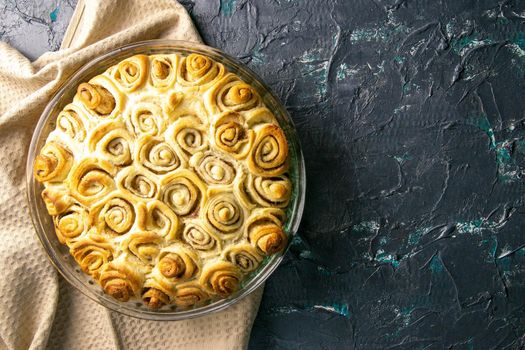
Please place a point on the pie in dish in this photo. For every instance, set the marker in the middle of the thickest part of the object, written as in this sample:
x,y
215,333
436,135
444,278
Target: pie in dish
x,y
167,178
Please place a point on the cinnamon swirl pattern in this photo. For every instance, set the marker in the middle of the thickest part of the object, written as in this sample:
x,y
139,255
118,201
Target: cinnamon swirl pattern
x,y
167,179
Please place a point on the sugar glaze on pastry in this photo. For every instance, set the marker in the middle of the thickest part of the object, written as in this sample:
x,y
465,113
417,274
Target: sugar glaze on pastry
x,y
167,178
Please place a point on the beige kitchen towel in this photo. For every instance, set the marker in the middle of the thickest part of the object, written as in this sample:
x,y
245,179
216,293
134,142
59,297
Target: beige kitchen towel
x,y
38,309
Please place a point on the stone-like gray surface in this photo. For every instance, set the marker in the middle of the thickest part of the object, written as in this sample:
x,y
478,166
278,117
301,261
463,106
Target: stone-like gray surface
x,y
411,117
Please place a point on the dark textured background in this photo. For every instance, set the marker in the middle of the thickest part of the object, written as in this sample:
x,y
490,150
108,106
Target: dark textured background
x,y
412,120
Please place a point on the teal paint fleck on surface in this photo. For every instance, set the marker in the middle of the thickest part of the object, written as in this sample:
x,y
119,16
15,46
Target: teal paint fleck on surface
x,y
258,57
491,244
386,258
341,309
385,33
403,158
460,45
315,68
415,237
343,71
519,39
336,308
54,15
475,226
306,254
297,240
436,265
228,7
365,227
399,59
507,169
408,86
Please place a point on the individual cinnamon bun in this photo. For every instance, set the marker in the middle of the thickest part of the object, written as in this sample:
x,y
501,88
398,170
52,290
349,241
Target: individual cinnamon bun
x,y
189,134
163,71
143,246
146,118
138,181
71,223
183,192
231,136
71,121
157,155
244,256
272,192
264,230
190,294
224,215
56,199
155,298
269,154
199,238
178,263
157,282
158,218
101,97
231,94
121,279
53,163
91,179
92,253
116,215
131,73
112,141
214,168
199,71
221,277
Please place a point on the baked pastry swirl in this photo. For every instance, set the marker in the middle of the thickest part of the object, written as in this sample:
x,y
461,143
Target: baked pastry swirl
x,y
167,178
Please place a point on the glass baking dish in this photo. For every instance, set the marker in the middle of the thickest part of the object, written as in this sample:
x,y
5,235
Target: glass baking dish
x,y
59,254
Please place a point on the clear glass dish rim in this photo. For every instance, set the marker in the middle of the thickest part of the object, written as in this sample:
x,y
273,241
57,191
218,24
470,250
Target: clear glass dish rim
x,y
32,196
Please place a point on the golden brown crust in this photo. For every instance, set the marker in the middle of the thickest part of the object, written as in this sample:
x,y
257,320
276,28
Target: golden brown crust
x,y
71,121
131,73
264,230
142,246
269,155
112,141
163,71
157,155
167,178
190,294
71,223
91,179
53,163
244,256
92,253
155,216
231,135
231,94
121,279
115,215
56,199
183,192
199,71
222,278
178,262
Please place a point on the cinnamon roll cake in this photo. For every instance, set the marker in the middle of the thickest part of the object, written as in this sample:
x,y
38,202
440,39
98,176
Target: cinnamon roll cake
x,y
167,179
